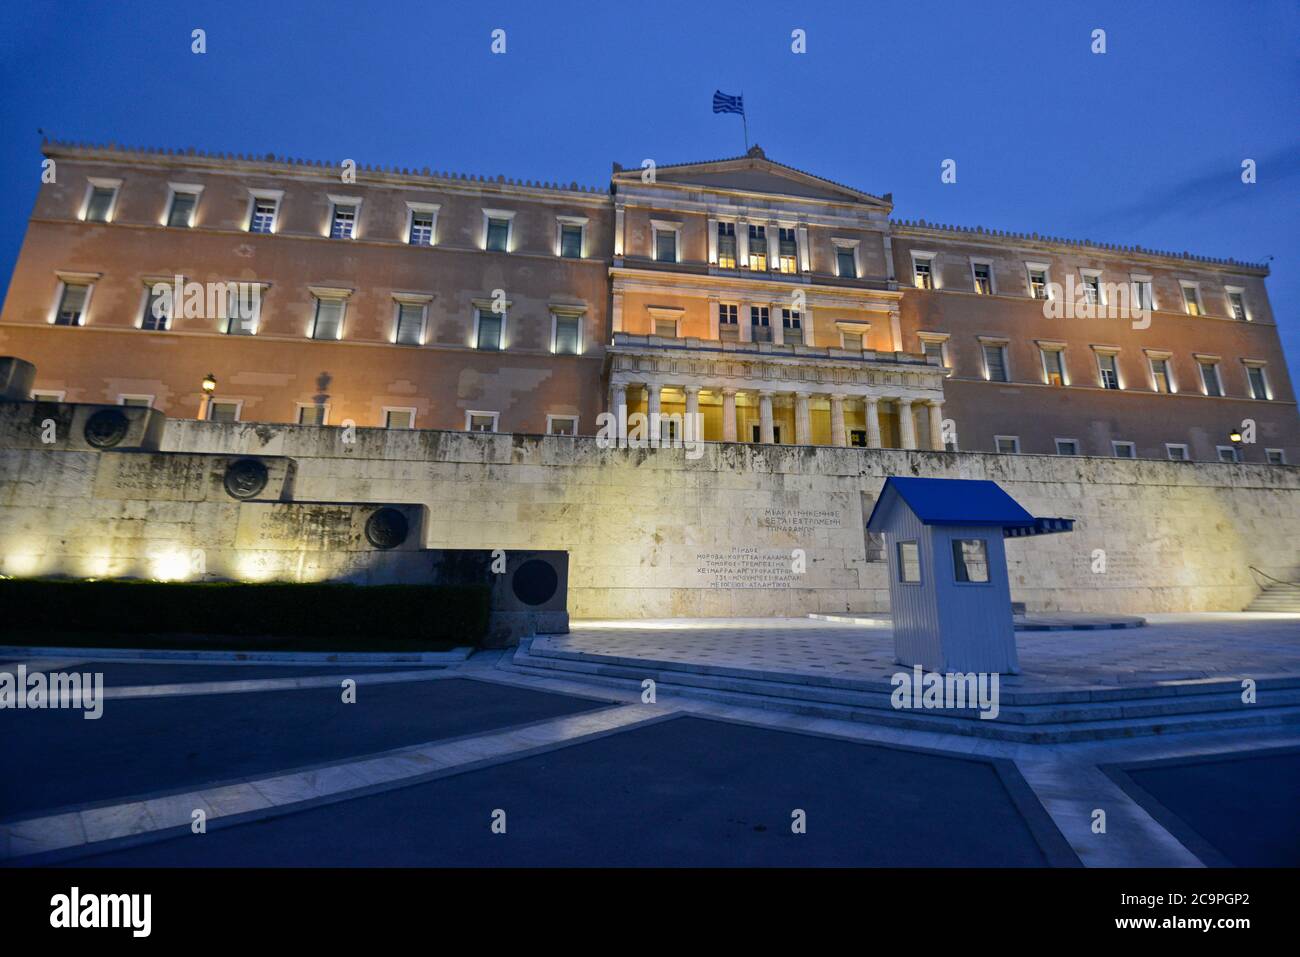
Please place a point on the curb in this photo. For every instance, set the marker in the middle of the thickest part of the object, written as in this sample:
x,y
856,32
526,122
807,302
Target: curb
x,y
454,656
1124,621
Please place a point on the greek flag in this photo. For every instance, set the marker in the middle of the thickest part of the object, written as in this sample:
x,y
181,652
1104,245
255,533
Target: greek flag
x,y
725,103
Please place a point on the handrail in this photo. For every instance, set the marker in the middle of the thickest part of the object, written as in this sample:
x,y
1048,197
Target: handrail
x,y
1272,579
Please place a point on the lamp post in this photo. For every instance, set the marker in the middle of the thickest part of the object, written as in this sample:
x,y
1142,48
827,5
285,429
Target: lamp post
x,y
205,399
1235,438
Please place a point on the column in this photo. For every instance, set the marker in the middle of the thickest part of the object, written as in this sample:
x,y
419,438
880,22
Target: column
x,y
617,318
713,241
873,422
765,433
802,419
617,397
690,431
742,244
936,425
728,415
654,428
778,326
618,233
906,424
808,326
773,247
713,319
805,260
742,319
838,436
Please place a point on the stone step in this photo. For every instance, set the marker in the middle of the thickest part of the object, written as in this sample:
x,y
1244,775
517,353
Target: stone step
x,y
1277,597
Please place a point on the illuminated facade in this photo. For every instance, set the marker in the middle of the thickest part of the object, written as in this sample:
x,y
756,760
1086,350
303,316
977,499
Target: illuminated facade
x,y
780,306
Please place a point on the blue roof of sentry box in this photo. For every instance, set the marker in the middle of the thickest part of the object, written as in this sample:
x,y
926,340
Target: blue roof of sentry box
x,y
940,501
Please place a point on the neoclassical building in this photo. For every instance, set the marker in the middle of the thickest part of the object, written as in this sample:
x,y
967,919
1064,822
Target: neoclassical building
x,y
779,305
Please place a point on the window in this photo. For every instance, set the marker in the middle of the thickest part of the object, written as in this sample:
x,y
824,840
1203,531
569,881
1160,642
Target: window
x,y
1258,384
923,271
1275,456
1177,452
158,309
1237,303
1192,299
1053,366
909,563
241,314
1067,446
410,324
858,438
788,248
399,418
875,546
1007,444
726,245
851,341
756,431
570,241
101,200
136,401
666,328
328,323
263,211
1160,378
791,327
935,348
181,213
72,304
489,328
47,396
727,313
970,560
1123,450
665,245
1210,383
760,324
561,425
481,421
498,235
223,410
420,230
846,262
1227,453
1108,370
1091,287
568,335
995,362
1142,297
343,221
311,415
1038,280
757,248
983,275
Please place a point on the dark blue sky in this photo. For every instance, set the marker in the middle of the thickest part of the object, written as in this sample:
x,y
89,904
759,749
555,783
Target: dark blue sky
x,y
1140,145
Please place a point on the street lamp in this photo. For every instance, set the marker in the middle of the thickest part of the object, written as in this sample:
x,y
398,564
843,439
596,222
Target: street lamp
x,y
209,387
1235,438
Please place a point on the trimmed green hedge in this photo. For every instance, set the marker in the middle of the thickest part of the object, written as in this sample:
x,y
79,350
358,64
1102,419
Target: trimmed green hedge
x,y
417,613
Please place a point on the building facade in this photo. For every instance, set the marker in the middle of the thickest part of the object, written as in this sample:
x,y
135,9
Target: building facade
x,y
779,306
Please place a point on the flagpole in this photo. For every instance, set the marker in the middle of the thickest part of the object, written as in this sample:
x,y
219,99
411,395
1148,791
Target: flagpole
x,y
744,120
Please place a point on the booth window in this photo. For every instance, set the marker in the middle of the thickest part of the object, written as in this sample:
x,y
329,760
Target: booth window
x,y
909,562
970,560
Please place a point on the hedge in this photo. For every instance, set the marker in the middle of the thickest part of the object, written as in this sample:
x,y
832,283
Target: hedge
x,y
417,613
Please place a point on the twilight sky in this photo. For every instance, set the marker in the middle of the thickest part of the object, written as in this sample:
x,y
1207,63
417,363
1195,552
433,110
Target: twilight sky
x,y
1142,144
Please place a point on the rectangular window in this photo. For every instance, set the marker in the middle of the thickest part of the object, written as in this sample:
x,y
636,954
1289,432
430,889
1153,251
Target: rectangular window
x,y
995,363
852,341
909,562
489,330
1191,299
311,415
562,425
182,212
1092,289
1177,452
727,313
399,418
567,330
47,396
72,305
1237,304
726,245
1037,282
100,207
1160,380
1210,378
983,278
481,421
858,438
1124,450
666,328
666,245
136,401
1141,292
571,241
343,222
1053,367
1067,446
329,319
760,324
923,273
791,327
498,235
1275,456
933,349
845,262
1108,370
421,228
758,248
1227,453
970,560
788,248
1258,384
263,217
220,410
410,324
157,311
1007,444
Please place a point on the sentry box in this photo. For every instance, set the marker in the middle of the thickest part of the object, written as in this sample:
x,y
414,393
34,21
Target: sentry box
x,y
948,589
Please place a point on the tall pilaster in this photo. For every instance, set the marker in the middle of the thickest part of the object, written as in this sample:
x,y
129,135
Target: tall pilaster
x,y
838,436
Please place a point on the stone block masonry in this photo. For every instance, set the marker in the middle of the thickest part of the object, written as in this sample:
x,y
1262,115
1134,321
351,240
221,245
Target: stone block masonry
x,y
651,533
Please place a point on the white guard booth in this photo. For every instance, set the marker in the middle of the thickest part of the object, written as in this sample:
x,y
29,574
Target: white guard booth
x,y
948,590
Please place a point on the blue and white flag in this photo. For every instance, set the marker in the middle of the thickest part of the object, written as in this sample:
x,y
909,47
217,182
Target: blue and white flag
x,y
725,103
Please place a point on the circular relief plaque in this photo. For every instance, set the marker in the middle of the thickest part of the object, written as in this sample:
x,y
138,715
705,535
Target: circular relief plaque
x,y
387,528
106,428
246,478
535,582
